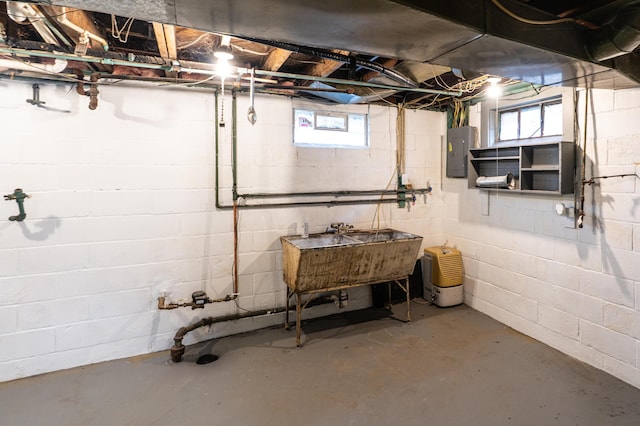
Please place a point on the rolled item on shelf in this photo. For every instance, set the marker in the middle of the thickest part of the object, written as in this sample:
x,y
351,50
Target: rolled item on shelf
x,y
506,181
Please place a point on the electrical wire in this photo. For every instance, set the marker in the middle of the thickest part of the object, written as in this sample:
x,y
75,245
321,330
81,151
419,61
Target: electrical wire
x,y
529,21
376,94
253,52
376,214
116,32
191,43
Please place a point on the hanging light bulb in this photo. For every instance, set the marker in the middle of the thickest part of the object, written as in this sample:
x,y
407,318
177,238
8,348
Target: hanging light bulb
x,y
494,91
223,55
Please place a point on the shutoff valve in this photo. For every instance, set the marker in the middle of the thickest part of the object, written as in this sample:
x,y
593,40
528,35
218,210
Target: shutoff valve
x,y
19,196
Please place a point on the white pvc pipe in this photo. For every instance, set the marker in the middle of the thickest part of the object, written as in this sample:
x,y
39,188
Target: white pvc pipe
x,y
20,12
62,18
58,66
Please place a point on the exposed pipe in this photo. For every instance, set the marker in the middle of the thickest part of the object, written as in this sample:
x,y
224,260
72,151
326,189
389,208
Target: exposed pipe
x,y
178,349
163,305
346,193
620,37
234,189
19,196
57,66
392,74
177,66
62,18
329,203
92,92
20,12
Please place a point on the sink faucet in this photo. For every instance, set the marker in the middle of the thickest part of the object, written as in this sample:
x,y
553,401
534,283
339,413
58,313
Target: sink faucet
x,y
339,227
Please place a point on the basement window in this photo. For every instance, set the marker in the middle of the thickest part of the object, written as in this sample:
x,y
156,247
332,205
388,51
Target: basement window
x,y
530,121
330,129
546,117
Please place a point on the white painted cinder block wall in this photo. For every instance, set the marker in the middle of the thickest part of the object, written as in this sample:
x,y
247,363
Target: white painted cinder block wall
x,y
123,207
576,290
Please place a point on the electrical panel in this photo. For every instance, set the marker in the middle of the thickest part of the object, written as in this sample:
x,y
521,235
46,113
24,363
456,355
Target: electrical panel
x,y
459,140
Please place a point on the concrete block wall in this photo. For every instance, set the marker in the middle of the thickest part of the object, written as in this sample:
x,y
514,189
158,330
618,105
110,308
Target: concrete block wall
x,y
123,208
573,289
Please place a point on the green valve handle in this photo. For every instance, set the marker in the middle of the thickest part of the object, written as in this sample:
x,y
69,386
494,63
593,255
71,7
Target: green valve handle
x,y
19,196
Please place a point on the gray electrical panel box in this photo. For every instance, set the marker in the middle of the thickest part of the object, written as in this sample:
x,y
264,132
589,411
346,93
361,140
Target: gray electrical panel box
x,y
459,140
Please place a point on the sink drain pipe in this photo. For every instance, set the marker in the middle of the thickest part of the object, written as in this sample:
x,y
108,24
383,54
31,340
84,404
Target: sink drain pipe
x,y
178,348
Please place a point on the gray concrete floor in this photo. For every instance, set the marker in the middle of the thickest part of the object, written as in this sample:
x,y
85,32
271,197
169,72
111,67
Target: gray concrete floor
x,y
451,366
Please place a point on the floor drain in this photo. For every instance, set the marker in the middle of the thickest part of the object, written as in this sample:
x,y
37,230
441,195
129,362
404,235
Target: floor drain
x,y
206,359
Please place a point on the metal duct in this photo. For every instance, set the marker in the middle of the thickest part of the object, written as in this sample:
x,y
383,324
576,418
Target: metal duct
x,y
620,37
467,34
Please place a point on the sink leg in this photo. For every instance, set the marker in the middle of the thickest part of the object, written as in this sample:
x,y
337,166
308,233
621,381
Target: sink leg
x,y
298,315
406,283
286,310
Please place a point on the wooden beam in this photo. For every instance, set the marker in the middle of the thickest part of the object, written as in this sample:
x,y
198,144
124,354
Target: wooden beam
x,y
276,58
158,30
170,37
326,66
166,39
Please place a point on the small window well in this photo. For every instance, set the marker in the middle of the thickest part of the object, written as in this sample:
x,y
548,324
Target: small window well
x,y
330,129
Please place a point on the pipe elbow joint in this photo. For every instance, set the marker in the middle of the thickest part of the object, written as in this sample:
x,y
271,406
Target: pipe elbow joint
x,y
180,334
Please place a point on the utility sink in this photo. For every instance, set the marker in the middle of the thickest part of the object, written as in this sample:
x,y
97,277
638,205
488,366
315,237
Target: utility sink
x,y
328,261
321,240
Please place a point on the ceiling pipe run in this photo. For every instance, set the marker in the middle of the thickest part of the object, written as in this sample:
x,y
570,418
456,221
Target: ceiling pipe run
x,y
20,12
468,34
198,68
57,66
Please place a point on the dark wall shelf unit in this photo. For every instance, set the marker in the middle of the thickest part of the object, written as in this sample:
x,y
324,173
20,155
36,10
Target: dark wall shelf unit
x,y
537,168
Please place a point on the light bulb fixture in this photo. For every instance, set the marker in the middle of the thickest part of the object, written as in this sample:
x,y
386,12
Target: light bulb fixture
x,y
223,68
223,55
494,91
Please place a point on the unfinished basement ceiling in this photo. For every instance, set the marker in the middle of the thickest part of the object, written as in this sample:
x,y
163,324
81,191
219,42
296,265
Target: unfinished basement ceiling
x,y
426,54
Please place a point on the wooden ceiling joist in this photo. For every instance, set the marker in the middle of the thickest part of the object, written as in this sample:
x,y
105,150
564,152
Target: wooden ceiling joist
x,y
166,39
326,66
275,59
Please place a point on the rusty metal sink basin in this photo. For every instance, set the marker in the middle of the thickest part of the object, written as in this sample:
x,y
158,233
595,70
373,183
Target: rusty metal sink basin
x,y
380,235
329,261
321,240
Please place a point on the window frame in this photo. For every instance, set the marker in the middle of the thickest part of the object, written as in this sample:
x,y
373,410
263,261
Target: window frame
x,y
489,116
541,104
329,131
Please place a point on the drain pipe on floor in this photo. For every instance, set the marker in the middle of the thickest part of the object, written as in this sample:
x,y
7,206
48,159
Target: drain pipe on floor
x,y
178,348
